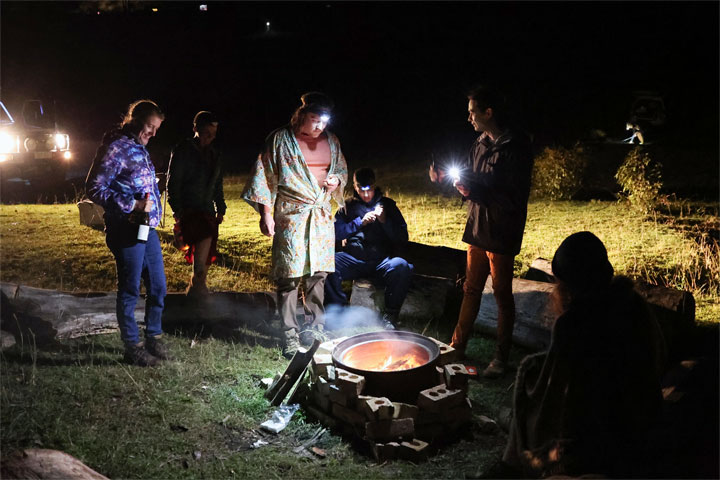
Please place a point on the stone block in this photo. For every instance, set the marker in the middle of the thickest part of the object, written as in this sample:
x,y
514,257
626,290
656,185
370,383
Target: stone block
x,y
405,410
440,375
322,401
390,430
350,383
461,413
426,417
338,396
385,451
322,386
439,397
447,353
327,348
431,432
456,376
414,450
348,415
376,408
319,364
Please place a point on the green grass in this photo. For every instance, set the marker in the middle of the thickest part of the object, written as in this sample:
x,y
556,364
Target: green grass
x,y
197,416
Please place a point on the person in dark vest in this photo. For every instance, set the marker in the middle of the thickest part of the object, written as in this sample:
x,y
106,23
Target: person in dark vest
x,y
371,232
195,194
495,181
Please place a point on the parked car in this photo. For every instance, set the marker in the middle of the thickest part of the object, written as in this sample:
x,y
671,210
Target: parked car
x,y
32,149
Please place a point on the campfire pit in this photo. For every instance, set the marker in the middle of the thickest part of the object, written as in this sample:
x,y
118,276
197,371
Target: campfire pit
x,y
398,391
396,365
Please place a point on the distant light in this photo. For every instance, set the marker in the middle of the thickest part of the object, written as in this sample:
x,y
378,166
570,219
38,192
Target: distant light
x,y
154,9
67,155
98,12
267,24
325,118
203,8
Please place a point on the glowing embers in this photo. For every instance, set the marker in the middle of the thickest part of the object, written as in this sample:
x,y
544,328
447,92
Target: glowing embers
x,y
386,355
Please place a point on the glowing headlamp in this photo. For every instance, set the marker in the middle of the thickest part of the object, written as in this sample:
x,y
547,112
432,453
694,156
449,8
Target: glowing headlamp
x,y
366,188
325,118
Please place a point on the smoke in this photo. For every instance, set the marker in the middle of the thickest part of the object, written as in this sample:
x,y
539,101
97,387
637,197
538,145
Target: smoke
x,y
338,317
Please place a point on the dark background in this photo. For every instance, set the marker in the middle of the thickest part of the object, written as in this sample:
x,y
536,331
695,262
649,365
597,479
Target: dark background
x,y
398,71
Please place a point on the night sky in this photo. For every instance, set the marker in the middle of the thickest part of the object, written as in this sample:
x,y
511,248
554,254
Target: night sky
x,y
398,71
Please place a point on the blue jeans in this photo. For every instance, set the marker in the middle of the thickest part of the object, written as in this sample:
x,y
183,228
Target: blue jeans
x,y
137,260
394,273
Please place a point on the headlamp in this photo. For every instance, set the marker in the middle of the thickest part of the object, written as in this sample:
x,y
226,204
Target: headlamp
x,y
325,118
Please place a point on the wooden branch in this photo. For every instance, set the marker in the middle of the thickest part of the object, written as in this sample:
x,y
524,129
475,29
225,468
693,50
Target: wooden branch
x,y
45,463
279,390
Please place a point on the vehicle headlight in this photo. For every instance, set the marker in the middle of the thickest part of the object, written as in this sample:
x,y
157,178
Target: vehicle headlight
x,y
8,143
31,144
61,141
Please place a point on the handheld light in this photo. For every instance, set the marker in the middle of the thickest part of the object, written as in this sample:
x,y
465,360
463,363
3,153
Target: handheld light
x,y
454,173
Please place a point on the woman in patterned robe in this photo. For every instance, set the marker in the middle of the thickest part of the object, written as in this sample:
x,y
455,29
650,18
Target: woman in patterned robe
x,y
293,184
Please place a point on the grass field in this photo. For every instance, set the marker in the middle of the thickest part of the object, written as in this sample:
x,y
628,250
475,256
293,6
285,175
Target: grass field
x,y
199,415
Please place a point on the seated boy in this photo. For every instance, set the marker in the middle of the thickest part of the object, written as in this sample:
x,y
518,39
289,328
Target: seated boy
x,y
371,230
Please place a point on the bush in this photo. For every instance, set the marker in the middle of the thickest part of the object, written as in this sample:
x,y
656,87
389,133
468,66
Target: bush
x,y
558,172
640,179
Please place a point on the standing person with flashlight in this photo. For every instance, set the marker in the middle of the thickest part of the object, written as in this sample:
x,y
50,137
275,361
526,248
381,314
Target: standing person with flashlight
x,y
496,182
294,182
122,180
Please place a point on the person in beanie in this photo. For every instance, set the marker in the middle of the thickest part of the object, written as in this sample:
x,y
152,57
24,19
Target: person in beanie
x,y
496,183
586,405
372,231
195,194
122,180
294,183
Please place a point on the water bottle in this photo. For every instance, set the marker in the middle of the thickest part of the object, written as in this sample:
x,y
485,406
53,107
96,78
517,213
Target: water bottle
x,y
144,223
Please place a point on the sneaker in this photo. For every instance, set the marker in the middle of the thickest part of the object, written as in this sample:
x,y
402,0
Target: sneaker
x,y
496,369
292,343
137,355
389,321
157,348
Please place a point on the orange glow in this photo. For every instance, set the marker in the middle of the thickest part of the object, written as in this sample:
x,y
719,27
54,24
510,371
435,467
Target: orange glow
x,y
386,356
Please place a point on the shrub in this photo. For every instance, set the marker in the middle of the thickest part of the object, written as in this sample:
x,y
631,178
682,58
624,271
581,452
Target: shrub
x,y
640,179
558,172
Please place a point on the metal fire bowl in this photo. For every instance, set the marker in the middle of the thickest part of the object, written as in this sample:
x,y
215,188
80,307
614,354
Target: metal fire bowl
x,y
397,385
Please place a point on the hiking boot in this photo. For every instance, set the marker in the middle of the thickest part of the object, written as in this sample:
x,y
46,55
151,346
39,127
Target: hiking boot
x,y
157,348
292,343
496,369
389,321
310,334
137,355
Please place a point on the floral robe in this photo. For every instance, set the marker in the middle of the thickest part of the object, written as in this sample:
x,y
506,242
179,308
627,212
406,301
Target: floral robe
x,y
304,241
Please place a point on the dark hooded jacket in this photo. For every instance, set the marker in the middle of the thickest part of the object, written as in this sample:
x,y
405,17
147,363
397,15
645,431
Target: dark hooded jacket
x,y
375,241
498,176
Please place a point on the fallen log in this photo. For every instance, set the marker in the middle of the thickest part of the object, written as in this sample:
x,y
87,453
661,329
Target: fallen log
x,y
674,309
49,315
45,463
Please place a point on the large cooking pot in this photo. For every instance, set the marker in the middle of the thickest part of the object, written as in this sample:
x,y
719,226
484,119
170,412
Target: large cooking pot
x,y
395,364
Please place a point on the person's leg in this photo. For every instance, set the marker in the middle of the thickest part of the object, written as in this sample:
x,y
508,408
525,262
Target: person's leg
x,y
287,292
200,256
129,262
156,288
129,259
476,273
501,271
344,270
396,274
314,296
